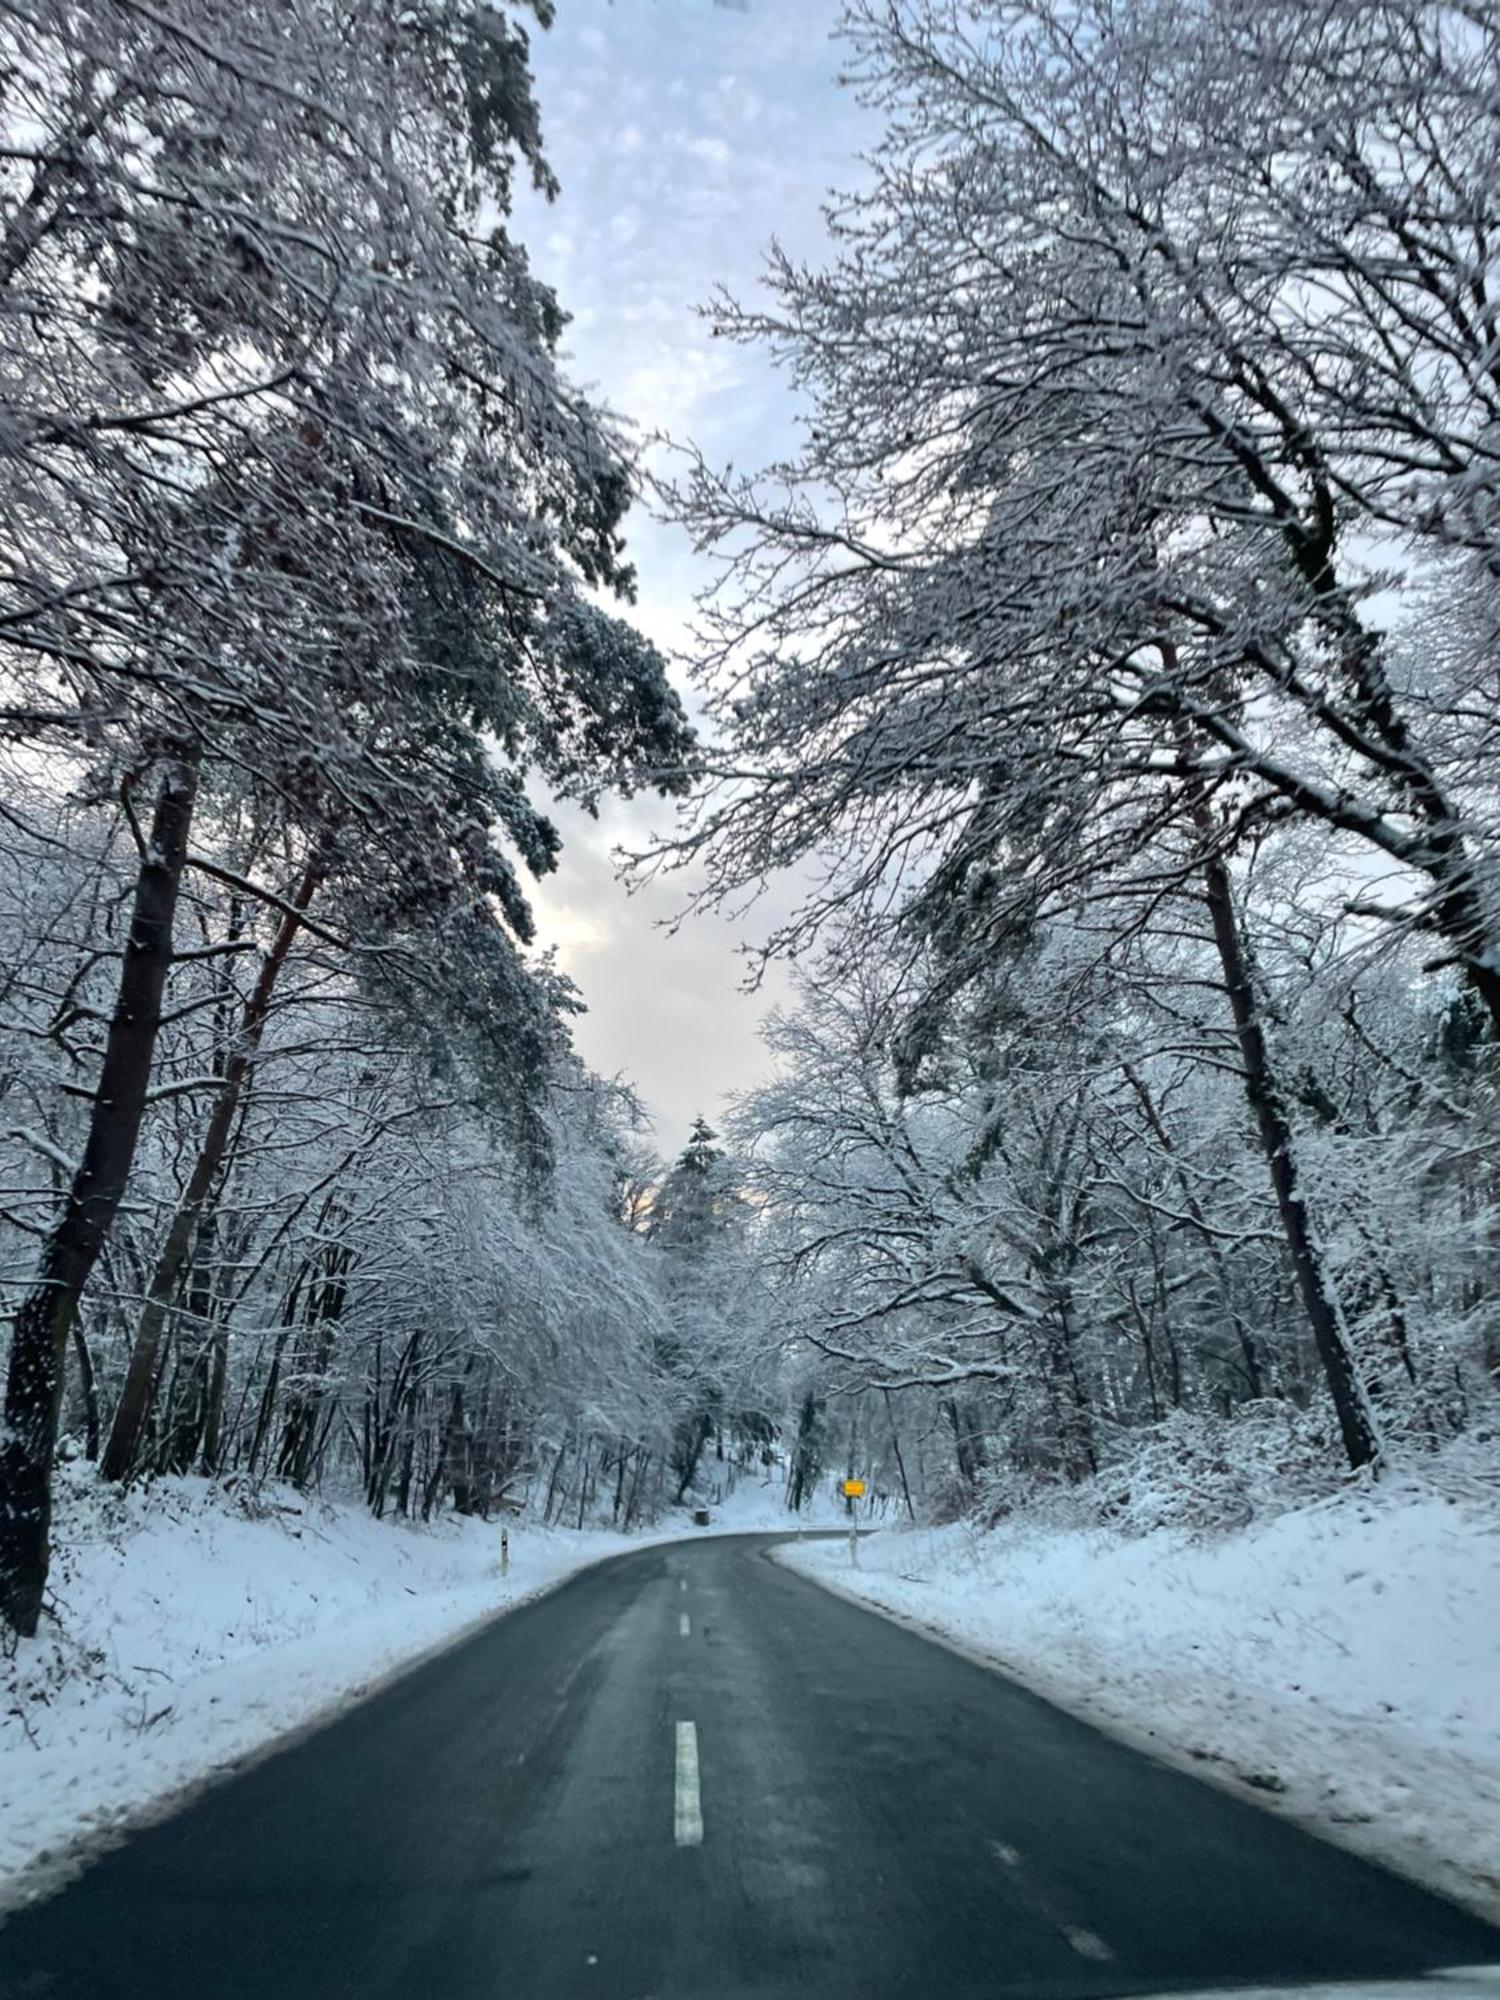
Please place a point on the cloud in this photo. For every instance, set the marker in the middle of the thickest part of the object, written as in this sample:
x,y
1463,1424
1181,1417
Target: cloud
x,y
667,1003
715,152
685,135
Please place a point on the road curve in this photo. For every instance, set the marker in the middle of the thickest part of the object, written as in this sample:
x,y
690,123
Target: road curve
x,y
692,1775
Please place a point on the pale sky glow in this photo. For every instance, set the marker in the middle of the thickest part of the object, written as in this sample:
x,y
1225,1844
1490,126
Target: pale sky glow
x,y
686,134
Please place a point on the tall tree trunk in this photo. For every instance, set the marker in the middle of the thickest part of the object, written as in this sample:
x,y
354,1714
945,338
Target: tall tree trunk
x,y
181,1429
213,1410
270,1389
408,1460
387,1430
643,1459
687,1449
900,1461
806,1459
323,1310
968,1447
455,1467
48,1312
92,1428
135,1398
557,1466
1255,1385
1314,1283
1148,1348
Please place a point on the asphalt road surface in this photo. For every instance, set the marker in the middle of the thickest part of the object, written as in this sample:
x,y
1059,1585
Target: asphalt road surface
x,y
690,1774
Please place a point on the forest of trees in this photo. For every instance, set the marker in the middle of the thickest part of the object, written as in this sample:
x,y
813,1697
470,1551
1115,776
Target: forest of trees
x,y
304,544
1118,664
1116,667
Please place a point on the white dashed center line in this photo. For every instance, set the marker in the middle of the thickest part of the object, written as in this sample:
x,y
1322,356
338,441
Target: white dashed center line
x,y
684,1626
1087,1944
687,1807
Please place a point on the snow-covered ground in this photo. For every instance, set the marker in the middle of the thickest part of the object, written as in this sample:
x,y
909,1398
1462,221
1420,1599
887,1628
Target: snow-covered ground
x,y
758,1505
195,1629
1340,1662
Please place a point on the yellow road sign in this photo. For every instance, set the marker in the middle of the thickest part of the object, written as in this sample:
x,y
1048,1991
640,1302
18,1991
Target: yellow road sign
x,y
853,1488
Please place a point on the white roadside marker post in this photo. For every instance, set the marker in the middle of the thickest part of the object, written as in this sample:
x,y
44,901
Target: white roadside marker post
x,y
505,1551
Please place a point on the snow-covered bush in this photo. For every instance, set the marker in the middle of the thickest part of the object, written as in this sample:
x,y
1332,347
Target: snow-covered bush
x,y
1209,1474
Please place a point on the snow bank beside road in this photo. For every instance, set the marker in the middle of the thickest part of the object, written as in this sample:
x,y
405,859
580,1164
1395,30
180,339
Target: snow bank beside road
x,y
193,1631
1341,1662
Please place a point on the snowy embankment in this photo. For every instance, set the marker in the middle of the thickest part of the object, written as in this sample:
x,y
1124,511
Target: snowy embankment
x,y
194,1631
1340,1663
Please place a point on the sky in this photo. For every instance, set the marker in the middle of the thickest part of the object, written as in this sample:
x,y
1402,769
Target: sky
x,y
686,134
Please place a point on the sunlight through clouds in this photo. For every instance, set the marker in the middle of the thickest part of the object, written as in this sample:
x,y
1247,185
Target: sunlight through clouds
x,y
685,135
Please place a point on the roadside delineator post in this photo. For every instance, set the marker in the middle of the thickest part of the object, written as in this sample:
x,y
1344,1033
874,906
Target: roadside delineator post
x,y
505,1551
853,1488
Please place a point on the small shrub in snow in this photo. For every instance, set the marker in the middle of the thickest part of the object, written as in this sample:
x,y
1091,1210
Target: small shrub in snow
x,y
1208,1474
1195,1471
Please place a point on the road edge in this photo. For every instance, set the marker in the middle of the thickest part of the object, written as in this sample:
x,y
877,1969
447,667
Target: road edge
x,y
1410,1865
52,1871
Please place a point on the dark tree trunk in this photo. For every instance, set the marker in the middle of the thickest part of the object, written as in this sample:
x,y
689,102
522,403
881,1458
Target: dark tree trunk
x,y
967,1448
557,1466
1314,1285
1080,1452
455,1466
266,1410
643,1459
687,1450
1255,1386
134,1405
403,1392
1163,1313
92,1429
408,1462
50,1309
322,1312
806,1454
187,1404
900,1461
213,1410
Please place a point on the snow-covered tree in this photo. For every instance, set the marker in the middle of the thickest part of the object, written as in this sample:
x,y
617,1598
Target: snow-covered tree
x,y
1128,385
701,1224
301,524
